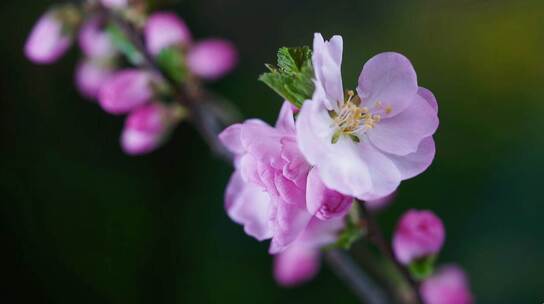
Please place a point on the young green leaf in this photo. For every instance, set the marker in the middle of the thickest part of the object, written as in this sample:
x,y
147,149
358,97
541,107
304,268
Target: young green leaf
x,y
171,60
293,77
124,45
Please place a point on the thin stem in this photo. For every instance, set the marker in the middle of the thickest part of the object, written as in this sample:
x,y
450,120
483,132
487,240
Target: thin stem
x,y
375,235
193,97
360,283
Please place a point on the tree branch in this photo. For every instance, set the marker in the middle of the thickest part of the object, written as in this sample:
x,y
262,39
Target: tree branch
x,y
375,235
360,283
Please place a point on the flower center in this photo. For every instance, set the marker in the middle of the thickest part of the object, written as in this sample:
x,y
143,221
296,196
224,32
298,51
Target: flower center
x,y
351,119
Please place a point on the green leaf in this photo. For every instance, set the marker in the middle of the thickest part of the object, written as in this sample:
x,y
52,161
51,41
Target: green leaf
x,y
172,61
352,231
293,77
123,44
421,269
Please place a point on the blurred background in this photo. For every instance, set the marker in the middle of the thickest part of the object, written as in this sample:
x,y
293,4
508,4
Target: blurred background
x,y
83,223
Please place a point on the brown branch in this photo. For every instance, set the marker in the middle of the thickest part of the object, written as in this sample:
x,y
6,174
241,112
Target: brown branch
x,y
375,235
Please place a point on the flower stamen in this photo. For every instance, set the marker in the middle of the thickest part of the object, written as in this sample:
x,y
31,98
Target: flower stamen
x,y
352,119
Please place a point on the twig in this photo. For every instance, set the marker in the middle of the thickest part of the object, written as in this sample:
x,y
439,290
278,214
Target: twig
x,y
375,235
194,98
360,283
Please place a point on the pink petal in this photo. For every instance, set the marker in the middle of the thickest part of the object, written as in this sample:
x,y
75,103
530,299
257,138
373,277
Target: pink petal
x,y
296,265
94,41
248,205
429,97
327,61
164,29
47,42
323,202
212,58
320,233
449,285
390,79
286,118
90,77
384,176
415,163
402,133
126,90
290,221
231,138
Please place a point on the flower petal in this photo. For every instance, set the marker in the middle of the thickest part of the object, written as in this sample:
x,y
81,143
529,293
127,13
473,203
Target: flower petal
x,y
286,118
415,163
249,206
231,138
384,176
429,97
390,79
402,133
327,61
323,202
290,221
340,165
296,265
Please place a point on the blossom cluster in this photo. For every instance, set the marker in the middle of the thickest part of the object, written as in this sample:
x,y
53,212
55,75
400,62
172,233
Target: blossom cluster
x,y
331,150
138,91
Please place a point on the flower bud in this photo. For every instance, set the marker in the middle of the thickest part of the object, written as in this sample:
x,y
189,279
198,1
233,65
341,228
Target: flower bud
x,y
163,30
419,234
296,265
448,286
147,127
94,41
91,76
52,35
115,4
125,91
212,58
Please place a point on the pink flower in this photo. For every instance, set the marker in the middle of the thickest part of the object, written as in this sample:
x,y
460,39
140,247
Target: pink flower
x,y
299,263
91,76
365,144
212,58
419,234
147,127
268,192
94,41
164,30
48,40
116,4
448,286
125,91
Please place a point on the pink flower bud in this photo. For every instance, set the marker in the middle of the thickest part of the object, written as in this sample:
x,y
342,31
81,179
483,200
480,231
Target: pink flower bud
x,y
212,58
94,41
163,30
116,4
448,286
296,265
48,40
125,91
147,127
419,234
91,76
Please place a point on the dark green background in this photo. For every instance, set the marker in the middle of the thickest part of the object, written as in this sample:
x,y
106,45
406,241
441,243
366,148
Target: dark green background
x,y
83,223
